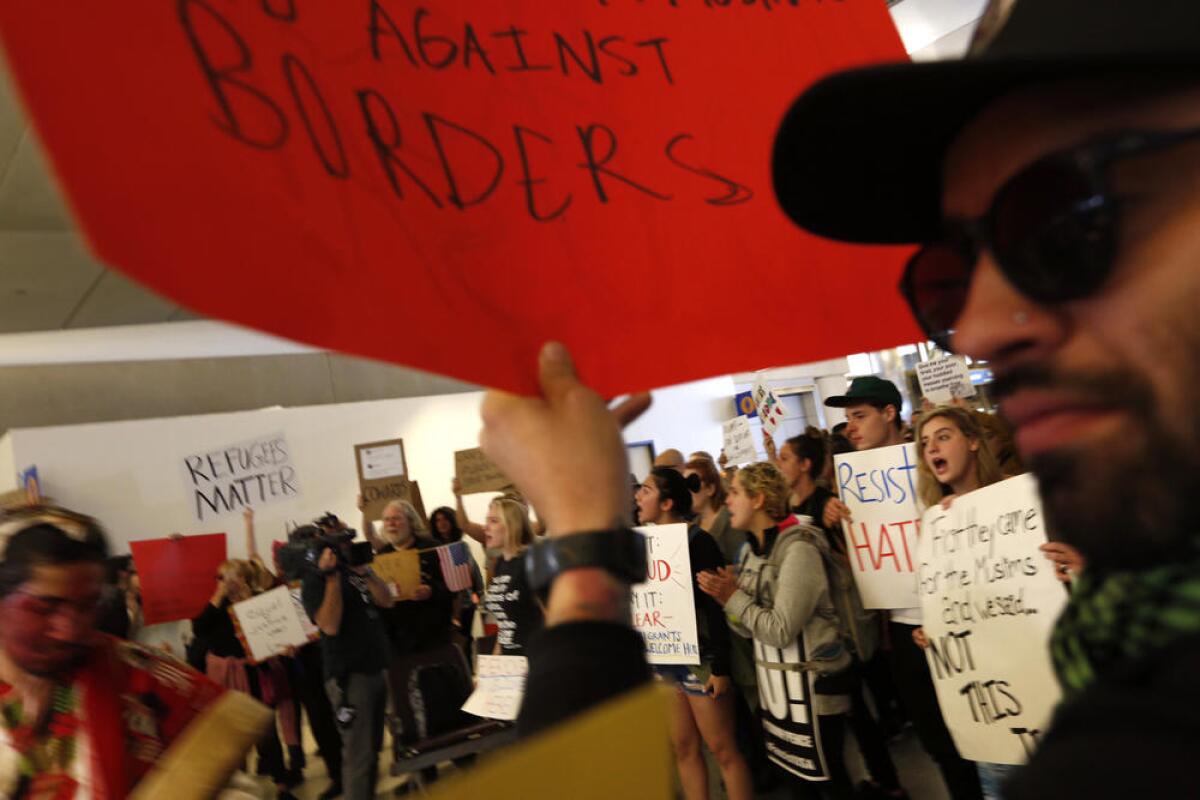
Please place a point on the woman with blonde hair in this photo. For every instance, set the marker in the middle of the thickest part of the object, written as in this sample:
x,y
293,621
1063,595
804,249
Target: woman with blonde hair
x,y
780,598
510,599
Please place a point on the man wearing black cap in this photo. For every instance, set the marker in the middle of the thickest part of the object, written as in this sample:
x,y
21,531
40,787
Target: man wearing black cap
x,y
1052,180
873,415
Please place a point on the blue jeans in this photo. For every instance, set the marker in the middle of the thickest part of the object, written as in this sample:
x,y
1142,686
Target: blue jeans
x,y
992,777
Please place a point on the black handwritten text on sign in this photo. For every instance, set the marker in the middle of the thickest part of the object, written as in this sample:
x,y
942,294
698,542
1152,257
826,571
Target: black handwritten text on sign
x,y
248,474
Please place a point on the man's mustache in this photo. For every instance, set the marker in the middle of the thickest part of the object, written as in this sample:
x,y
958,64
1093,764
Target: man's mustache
x,y
1114,387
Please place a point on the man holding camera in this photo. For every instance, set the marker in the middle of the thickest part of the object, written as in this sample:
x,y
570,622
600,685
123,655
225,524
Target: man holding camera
x,y
345,604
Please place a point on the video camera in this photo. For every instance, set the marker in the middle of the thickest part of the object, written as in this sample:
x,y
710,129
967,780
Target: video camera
x,y
300,555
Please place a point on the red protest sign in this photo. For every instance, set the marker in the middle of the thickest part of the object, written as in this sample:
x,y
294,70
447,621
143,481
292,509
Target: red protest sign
x,y
178,576
449,185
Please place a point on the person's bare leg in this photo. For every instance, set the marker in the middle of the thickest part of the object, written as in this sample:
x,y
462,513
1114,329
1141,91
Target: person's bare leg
x,y
715,718
685,740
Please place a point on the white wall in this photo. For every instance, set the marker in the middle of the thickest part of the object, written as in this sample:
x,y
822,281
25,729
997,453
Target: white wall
x,y
8,464
130,475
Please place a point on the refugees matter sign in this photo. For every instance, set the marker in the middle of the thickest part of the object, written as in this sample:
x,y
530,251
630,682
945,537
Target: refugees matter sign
x,y
664,609
396,178
879,486
248,474
990,600
945,379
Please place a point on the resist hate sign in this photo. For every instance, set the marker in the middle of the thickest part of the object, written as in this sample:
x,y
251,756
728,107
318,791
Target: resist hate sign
x,y
990,600
514,167
664,609
879,486
253,473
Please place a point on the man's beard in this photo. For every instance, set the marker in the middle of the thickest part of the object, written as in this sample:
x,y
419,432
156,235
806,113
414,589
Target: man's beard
x,y
1124,506
397,539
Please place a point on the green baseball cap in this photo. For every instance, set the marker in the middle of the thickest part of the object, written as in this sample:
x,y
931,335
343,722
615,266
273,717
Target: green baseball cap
x,y
867,389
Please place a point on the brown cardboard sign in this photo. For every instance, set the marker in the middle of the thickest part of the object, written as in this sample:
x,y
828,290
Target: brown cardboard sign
x,y
477,473
382,475
402,570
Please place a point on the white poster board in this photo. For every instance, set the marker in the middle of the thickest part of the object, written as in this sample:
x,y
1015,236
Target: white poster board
x,y
739,443
770,410
880,488
945,379
384,461
990,600
253,473
499,688
664,609
269,623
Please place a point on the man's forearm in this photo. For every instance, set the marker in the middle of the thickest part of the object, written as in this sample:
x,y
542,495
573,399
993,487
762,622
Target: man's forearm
x,y
380,592
329,615
587,595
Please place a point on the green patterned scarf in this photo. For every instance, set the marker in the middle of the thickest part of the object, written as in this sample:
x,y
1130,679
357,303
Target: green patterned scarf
x,y
1117,619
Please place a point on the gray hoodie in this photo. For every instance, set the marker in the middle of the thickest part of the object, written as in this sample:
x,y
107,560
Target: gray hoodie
x,y
784,595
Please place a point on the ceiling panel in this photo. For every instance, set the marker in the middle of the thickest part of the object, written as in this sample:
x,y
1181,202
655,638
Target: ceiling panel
x,y
44,276
116,300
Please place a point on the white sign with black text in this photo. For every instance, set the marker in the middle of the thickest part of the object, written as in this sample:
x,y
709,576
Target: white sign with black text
x,y
990,600
664,607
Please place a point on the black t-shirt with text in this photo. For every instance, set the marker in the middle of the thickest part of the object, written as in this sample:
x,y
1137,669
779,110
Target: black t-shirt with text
x,y
512,602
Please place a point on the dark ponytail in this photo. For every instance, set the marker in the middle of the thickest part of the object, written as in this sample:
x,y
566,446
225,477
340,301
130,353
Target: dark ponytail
x,y
812,445
676,488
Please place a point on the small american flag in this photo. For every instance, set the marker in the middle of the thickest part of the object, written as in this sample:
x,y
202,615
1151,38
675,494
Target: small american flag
x,y
456,566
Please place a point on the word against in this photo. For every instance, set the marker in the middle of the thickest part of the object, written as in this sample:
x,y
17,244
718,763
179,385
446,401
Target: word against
x,y
739,443
664,609
879,487
500,687
984,587
248,474
945,379
269,623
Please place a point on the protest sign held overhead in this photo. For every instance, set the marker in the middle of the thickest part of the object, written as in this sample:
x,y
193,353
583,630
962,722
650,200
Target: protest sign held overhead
x,y
945,379
268,624
178,575
382,475
286,165
770,409
664,609
739,443
245,475
879,487
477,473
990,601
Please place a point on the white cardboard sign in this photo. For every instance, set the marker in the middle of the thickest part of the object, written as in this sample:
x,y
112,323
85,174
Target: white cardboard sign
x,y
739,442
880,488
270,623
664,609
770,410
499,688
226,480
945,379
990,600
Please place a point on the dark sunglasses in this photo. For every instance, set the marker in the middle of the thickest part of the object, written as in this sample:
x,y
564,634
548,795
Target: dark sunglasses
x,y
1052,230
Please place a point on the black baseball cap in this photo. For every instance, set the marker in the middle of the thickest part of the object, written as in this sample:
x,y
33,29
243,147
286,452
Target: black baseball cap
x,y
866,389
859,155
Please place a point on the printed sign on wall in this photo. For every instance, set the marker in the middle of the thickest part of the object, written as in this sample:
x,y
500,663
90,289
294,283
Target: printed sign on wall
x,y
879,487
990,600
664,609
249,474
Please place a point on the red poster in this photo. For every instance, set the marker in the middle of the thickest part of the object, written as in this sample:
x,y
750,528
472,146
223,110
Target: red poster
x,y
178,576
449,185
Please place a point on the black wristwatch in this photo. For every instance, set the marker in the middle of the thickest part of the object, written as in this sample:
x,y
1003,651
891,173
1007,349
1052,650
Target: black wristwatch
x,y
621,552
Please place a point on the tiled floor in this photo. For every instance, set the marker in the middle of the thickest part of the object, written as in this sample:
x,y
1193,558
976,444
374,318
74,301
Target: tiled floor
x,y
918,774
